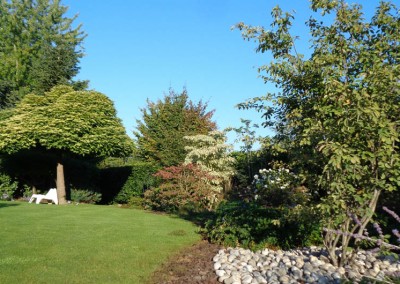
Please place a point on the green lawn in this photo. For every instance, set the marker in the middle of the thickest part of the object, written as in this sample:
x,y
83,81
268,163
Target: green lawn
x,y
85,243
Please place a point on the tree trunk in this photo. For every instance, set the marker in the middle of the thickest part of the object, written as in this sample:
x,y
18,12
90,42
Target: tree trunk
x,y
60,183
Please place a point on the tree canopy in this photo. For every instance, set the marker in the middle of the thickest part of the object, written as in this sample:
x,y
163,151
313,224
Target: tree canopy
x,y
338,111
39,48
65,121
160,134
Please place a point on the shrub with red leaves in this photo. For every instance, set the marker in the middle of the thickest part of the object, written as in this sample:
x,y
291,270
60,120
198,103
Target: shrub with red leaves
x,y
184,187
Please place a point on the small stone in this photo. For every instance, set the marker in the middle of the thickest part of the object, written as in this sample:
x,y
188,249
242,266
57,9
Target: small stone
x,y
265,252
261,280
299,264
328,267
311,279
281,272
220,272
324,258
266,263
297,273
235,274
385,263
249,268
336,275
341,270
217,265
372,273
308,266
360,263
352,274
380,275
229,280
247,279
362,257
323,280
284,279
299,259
236,253
222,278
273,264
252,262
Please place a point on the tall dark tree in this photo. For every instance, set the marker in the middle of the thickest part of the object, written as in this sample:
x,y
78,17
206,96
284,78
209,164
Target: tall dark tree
x,y
39,48
160,133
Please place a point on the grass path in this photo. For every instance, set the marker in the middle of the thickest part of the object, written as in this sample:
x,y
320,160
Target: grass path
x,y
85,243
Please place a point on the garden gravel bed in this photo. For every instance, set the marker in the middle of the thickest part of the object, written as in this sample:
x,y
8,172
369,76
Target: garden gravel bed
x,y
308,265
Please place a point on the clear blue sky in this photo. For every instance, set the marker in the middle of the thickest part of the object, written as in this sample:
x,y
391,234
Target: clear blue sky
x,y
138,49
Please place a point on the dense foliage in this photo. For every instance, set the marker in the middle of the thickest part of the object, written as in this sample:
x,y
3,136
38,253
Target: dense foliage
x,y
140,179
252,225
213,155
183,188
64,121
39,48
8,187
279,188
85,196
337,114
160,133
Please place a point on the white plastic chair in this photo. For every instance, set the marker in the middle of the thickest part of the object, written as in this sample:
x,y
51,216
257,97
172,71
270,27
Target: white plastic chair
x,y
50,195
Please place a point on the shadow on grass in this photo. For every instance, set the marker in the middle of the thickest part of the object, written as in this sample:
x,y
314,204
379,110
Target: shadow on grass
x,y
5,204
197,218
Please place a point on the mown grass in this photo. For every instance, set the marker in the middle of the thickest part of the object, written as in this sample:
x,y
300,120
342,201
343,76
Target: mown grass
x,y
85,243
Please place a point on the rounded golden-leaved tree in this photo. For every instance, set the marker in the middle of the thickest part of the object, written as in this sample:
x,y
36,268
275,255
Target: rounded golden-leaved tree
x,y
65,121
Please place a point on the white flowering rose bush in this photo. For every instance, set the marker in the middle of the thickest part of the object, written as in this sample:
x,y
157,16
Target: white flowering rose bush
x,y
278,187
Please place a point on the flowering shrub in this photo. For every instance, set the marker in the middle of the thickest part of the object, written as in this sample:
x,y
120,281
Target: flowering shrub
x,y
278,187
274,216
183,187
211,153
